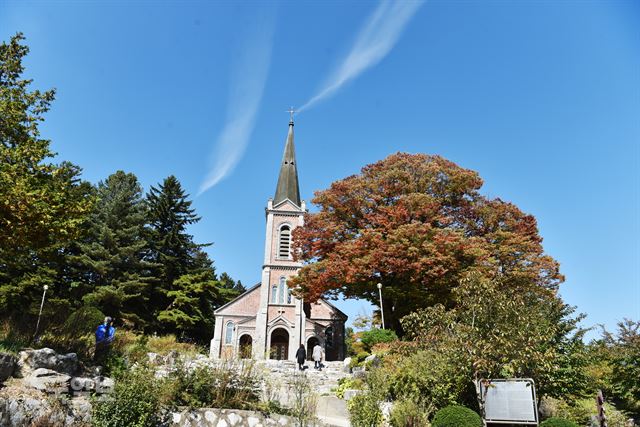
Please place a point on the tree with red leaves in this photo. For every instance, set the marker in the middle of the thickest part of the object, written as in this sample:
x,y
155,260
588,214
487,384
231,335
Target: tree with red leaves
x,y
417,224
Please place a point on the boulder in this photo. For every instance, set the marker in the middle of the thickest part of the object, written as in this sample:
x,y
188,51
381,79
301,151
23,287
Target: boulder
x,y
346,365
48,380
372,361
103,385
358,372
350,393
30,360
7,365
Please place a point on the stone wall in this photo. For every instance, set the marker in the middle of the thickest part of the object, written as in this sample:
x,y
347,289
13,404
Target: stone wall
x,y
228,418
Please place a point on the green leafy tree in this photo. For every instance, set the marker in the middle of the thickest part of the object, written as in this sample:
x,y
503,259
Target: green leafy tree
x,y
417,224
499,330
42,205
112,271
614,365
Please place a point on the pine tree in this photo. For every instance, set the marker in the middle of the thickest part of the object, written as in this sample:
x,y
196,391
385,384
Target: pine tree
x,y
172,247
112,270
228,283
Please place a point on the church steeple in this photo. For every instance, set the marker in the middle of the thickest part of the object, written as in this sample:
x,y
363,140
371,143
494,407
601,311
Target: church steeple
x,y
288,179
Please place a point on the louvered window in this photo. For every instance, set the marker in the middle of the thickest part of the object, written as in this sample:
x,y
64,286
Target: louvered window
x,y
284,247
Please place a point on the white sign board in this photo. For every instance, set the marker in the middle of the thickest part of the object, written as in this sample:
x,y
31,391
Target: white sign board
x,y
510,401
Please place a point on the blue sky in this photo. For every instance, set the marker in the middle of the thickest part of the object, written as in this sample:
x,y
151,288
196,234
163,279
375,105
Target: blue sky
x,y
541,98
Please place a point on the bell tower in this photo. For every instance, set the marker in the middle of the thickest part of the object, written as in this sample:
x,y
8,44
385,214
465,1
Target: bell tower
x,y
280,320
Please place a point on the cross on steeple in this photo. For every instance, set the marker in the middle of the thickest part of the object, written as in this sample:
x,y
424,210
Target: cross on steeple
x,y
291,111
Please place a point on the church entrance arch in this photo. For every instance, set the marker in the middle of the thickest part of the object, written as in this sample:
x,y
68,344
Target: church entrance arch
x,y
279,344
245,346
311,342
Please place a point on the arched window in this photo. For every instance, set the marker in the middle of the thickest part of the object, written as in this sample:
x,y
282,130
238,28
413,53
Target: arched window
x,y
274,293
284,243
281,290
228,336
288,295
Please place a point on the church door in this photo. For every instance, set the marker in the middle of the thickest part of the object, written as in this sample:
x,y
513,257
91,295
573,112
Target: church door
x,y
279,344
313,341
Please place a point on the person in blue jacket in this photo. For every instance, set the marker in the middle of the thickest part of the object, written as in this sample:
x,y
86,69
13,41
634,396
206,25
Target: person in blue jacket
x,y
105,333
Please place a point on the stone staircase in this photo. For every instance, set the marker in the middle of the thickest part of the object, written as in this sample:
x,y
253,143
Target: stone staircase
x,y
281,374
322,381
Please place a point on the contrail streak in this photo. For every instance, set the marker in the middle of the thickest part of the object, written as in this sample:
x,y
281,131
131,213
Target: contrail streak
x,y
375,40
249,75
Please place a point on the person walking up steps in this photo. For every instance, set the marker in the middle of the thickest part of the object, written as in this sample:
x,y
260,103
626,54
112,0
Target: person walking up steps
x,y
317,357
301,356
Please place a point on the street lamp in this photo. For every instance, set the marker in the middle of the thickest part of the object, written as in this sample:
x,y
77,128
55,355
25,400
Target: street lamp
x,y
381,309
44,292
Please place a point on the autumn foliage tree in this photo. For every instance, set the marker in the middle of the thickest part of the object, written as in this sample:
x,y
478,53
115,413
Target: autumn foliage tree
x,y
417,224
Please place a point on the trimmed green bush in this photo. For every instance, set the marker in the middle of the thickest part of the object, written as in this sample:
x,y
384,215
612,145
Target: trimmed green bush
x,y
558,422
456,416
376,336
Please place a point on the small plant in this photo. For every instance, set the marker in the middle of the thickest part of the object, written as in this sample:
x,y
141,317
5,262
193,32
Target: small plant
x,y
456,416
408,413
558,422
304,401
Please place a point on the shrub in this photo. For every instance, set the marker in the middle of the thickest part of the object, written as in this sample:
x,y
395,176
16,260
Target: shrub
x,y
358,359
456,416
227,386
167,343
581,411
348,383
558,422
375,336
408,413
435,378
364,410
134,401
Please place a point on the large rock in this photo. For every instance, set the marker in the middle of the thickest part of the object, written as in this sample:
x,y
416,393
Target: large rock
x,y
30,360
48,380
346,365
7,365
372,361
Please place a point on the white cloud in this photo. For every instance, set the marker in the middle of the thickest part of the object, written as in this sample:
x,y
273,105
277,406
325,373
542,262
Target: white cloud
x,y
248,79
375,40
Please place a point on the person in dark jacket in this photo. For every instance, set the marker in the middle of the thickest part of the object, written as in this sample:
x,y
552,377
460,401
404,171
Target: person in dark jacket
x,y
301,356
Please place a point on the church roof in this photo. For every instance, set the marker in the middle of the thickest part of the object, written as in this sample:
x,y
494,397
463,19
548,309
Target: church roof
x,y
288,179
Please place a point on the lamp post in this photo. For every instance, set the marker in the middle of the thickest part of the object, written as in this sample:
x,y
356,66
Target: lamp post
x,y
381,309
44,292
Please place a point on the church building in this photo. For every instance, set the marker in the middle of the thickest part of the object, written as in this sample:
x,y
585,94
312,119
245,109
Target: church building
x,y
267,321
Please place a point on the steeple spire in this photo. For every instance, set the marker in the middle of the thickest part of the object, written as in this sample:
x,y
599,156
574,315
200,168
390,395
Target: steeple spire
x,y
288,179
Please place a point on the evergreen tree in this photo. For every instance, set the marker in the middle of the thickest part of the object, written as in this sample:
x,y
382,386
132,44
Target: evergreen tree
x,y
172,247
113,273
192,299
228,283
42,205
